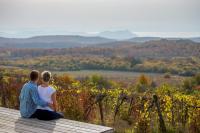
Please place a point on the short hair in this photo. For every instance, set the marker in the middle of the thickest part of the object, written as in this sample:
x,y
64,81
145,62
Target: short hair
x,y
34,75
46,76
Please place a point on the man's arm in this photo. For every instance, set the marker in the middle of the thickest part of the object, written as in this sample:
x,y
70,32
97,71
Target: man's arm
x,y
36,98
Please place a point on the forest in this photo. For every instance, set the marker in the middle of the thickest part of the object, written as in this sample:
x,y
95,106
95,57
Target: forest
x,y
130,108
180,57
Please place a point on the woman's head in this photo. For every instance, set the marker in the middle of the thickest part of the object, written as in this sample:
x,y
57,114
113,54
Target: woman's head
x,y
46,76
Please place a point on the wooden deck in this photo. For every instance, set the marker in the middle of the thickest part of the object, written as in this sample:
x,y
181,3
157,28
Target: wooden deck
x,y
11,122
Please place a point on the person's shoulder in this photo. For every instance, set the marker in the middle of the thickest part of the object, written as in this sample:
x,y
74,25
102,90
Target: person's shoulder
x,y
32,86
25,84
39,87
28,85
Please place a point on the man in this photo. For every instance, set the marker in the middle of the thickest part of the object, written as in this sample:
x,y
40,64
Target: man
x,y
29,97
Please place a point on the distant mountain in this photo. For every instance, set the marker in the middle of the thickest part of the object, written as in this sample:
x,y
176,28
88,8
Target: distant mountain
x,y
116,44
146,39
71,41
52,41
143,39
118,35
195,39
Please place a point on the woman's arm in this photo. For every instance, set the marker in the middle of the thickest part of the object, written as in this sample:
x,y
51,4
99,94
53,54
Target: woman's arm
x,y
53,97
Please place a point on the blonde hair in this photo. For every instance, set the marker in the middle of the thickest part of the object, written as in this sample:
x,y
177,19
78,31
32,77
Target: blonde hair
x,y
46,76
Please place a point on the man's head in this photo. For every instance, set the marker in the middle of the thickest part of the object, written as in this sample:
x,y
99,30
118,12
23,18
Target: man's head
x,y
34,75
46,76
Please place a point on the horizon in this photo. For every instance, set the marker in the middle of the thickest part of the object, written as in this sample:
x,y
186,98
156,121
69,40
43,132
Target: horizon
x,y
33,33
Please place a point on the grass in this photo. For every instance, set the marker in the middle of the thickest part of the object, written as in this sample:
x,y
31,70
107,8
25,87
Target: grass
x,y
122,76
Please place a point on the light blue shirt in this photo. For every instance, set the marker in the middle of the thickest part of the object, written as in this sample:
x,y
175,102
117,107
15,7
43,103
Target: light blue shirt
x,y
29,99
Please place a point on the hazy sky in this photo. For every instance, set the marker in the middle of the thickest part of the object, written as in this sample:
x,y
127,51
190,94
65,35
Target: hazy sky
x,y
154,16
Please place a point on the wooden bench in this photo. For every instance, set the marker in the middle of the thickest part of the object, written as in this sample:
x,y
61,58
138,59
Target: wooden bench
x,y
11,122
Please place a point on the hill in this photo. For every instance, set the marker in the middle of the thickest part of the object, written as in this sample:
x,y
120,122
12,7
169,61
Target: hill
x,y
161,49
52,41
195,39
143,39
152,49
118,35
146,39
160,56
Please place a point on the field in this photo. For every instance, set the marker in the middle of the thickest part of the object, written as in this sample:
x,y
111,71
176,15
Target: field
x,y
124,77
170,103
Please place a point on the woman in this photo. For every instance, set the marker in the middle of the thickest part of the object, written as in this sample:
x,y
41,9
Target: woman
x,y
48,94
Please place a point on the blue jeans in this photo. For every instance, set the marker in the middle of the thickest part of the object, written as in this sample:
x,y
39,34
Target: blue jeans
x,y
46,115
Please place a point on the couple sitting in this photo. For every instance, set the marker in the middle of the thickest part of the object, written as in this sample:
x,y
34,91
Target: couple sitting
x,y
39,101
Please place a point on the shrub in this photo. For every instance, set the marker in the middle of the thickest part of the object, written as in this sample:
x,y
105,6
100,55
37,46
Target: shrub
x,y
167,75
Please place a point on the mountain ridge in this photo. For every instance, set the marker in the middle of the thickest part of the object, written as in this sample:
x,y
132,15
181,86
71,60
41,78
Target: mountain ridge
x,y
48,41
71,41
117,35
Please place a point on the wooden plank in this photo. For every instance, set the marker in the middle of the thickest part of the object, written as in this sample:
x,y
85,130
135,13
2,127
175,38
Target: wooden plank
x,y
35,124
60,120
90,126
40,124
70,122
74,122
21,127
10,118
50,123
9,129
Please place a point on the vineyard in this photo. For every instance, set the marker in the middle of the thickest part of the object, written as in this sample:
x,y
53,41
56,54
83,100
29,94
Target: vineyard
x,y
141,107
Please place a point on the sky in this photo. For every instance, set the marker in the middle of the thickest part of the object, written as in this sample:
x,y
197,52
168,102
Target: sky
x,y
143,17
